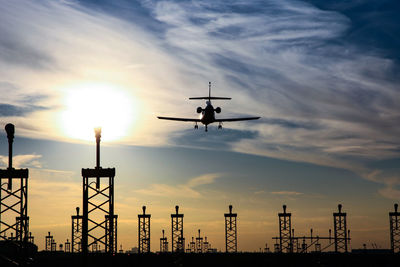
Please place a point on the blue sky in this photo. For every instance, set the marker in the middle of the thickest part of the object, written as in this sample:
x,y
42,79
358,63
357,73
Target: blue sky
x,y
322,75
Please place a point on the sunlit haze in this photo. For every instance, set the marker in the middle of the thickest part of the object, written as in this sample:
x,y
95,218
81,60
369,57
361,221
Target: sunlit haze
x,y
91,105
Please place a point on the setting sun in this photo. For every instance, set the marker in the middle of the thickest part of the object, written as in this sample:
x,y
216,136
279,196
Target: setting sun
x,y
97,105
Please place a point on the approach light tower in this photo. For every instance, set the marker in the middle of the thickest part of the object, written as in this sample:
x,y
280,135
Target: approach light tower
x,y
99,223
178,241
395,229
13,199
192,246
285,231
67,246
163,243
76,233
49,242
206,245
340,230
144,231
199,243
230,231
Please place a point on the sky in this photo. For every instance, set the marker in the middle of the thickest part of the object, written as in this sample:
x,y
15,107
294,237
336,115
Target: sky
x,y
321,74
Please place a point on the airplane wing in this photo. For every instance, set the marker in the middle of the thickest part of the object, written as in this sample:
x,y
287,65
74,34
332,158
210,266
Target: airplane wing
x,y
178,119
237,119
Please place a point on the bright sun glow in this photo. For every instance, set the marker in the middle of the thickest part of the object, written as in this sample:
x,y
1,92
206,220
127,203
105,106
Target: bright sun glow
x,y
98,105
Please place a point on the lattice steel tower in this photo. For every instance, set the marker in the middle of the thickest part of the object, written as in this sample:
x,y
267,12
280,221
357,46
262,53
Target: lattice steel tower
x,y
31,238
285,231
192,246
199,243
178,241
230,231
340,230
394,218
14,199
99,223
144,231
49,242
163,243
53,245
67,246
206,245
76,233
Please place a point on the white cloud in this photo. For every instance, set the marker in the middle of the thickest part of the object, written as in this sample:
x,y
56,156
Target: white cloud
x,y
203,180
22,161
287,193
389,179
187,190
390,192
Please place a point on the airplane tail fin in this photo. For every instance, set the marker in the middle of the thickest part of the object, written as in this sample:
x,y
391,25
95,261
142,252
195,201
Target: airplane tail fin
x,y
209,97
209,90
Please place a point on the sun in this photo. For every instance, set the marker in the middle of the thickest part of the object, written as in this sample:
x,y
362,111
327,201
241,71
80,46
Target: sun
x,y
92,105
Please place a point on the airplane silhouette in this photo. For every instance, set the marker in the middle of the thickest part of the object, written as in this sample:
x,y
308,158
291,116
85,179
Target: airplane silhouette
x,y
207,115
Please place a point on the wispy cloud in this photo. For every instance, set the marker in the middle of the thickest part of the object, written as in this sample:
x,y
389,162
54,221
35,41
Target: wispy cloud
x,y
390,180
22,161
322,100
390,192
287,193
187,190
317,97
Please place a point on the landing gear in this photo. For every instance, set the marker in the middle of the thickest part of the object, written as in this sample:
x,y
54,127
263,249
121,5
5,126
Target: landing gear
x,y
206,129
196,126
220,126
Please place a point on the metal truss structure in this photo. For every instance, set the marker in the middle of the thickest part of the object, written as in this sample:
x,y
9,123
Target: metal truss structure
x,y
230,231
394,219
178,241
14,199
144,231
99,223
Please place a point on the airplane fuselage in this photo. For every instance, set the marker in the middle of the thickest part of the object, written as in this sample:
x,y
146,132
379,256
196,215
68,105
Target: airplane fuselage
x,y
207,116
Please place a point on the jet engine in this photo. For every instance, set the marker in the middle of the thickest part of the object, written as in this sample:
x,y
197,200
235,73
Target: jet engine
x,y
199,110
218,110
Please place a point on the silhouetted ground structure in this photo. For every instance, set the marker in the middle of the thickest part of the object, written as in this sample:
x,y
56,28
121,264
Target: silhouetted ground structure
x,y
89,232
178,241
144,231
230,231
99,223
163,243
60,259
206,245
67,246
12,254
285,231
191,246
49,243
14,220
287,242
15,238
340,230
76,232
199,243
394,218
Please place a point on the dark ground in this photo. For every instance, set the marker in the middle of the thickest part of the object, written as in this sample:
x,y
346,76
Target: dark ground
x,y
59,259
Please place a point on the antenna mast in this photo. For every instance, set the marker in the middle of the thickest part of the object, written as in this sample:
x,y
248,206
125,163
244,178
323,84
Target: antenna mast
x,y
209,91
